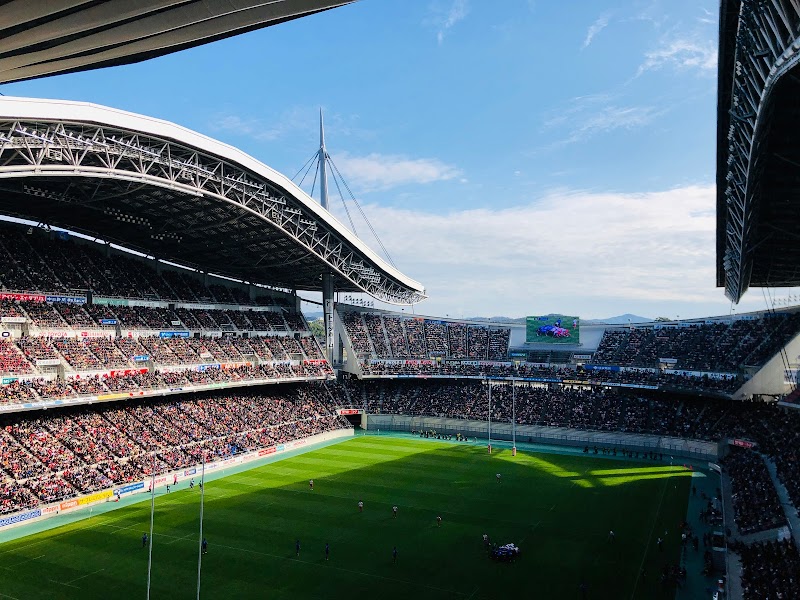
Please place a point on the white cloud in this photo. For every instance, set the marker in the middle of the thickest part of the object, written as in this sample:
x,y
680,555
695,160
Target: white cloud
x,y
587,116
595,28
445,19
613,117
381,171
682,54
708,17
577,252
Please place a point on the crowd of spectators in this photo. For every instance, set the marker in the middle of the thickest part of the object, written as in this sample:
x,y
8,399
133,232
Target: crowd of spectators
x,y
77,353
42,314
477,342
57,315
82,354
130,380
415,333
755,502
109,354
655,378
725,346
498,343
396,332
416,338
374,323
436,338
50,457
37,348
12,361
41,261
357,331
457,339
74,315
770,570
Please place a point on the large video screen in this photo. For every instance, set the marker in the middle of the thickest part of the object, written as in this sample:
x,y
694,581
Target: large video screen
x,y
552,329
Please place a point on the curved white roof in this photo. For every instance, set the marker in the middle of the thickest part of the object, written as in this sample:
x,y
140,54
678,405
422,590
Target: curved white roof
x,y
32,109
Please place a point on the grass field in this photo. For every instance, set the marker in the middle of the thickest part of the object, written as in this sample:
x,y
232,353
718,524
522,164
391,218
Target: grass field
x,y
558,509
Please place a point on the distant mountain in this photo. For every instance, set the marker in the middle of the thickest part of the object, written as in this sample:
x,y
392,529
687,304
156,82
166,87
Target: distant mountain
x,y
520,320
620,320
313,316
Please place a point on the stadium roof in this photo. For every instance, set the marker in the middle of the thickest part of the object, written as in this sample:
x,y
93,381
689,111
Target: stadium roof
x,y
161,189
758,157
40,38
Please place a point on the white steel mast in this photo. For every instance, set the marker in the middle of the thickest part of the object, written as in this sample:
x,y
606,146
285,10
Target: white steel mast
x,y
327,278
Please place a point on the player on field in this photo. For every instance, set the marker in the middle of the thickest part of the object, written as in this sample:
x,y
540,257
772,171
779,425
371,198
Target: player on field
x,y
144,540
297,548
191,484
311,484
204,546
394,512
498,476
360,506
438,520
394,554
327,550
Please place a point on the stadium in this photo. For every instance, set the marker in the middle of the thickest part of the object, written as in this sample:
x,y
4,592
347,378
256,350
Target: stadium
x,y
170,424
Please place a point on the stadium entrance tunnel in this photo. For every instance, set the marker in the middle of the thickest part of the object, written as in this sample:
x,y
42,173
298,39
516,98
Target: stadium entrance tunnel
x,y
354,420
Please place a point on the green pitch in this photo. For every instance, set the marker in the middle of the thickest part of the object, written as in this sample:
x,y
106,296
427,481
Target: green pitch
x,y
557,509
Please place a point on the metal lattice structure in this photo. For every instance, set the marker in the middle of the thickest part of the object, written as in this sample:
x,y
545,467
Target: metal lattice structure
x,y
758,160
171,193
40,38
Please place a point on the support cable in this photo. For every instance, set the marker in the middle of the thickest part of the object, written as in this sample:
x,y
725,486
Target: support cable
x,y
341,197
360,210
307,164
316,172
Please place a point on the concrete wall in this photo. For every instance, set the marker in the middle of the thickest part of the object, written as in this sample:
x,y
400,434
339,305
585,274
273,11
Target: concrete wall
x,y
561,436
771,378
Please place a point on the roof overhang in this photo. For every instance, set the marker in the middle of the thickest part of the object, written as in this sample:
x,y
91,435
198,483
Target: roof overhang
x,y
61,36
158,188
758,159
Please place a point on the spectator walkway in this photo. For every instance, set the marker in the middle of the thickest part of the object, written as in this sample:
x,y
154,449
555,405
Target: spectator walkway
x,y
792,514
698,585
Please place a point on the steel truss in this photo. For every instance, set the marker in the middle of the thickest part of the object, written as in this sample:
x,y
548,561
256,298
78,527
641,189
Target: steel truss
x,y
767,47
66,149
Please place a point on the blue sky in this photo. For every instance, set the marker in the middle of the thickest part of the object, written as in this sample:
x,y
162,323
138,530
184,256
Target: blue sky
x,y
546,156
